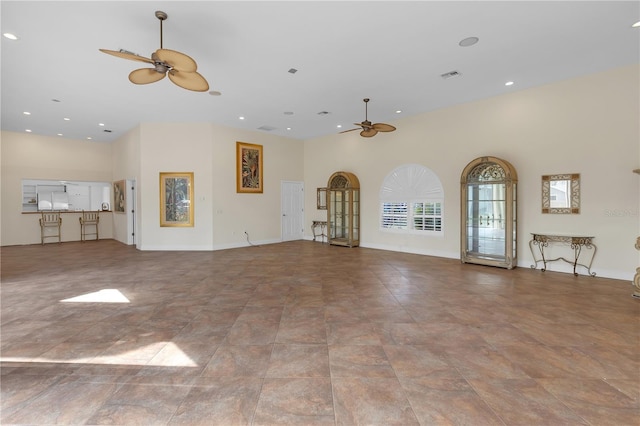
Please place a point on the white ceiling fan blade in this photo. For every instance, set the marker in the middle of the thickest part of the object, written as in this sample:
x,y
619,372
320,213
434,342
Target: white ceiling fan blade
x,y
145,76
126,55
177,60
189,80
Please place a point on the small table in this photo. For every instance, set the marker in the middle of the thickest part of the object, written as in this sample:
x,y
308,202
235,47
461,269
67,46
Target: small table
x,y
319,224
576,242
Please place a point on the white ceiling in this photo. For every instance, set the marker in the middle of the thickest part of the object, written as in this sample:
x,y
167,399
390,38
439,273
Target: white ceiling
x,y
390,51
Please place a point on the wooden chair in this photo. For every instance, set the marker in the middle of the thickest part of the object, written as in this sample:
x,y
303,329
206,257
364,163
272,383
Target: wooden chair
x,y
50,220
88,220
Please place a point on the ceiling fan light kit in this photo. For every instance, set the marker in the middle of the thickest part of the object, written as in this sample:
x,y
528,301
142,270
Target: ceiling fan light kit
x,y
370,129
181,68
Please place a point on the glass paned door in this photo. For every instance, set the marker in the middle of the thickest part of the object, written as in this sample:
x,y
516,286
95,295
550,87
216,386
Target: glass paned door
x,y
356,214
343,209
486,220
488,194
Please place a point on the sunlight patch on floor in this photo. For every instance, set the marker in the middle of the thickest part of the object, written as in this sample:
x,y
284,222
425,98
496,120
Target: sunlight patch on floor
x,y
107,295
169,356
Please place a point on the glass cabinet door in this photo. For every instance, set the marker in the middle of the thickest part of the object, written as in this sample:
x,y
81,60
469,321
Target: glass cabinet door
x,y
356,215
485,220
488,213
343,210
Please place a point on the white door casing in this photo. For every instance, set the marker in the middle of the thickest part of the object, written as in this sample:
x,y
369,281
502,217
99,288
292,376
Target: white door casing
x,y
292,210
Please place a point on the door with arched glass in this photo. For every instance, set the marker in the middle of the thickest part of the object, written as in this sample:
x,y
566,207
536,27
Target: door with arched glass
x,y
488,216
343,209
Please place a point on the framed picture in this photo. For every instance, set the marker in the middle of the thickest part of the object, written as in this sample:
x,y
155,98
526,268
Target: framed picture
x,y
119,197
322,199
176,199
248,167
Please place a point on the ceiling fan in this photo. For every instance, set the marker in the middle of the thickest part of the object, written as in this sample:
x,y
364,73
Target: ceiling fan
x,y
368,129
180,67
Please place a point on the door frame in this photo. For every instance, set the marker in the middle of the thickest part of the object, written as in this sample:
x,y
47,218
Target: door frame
x,y
283,184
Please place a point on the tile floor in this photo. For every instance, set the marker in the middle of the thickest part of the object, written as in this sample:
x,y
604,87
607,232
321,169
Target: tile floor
x,y
304,333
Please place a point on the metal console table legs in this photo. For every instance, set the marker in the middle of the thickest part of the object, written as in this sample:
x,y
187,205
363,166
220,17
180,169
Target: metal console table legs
x,y
577,244
323,227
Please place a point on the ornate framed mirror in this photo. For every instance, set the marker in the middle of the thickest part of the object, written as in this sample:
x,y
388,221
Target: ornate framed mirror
x,y
561,193
321,203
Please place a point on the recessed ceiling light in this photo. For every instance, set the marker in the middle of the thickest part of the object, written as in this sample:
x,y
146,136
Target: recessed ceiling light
x,y
339,126
288,128
292,71
59,134
398,111
509,83
10,36
215,93
636,25
26,113
67,119
240,118
469,41
100,124
55,100
89,138
28,130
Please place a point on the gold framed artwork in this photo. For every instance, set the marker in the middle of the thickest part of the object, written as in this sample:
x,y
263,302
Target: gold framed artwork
x,y
119,196
176,199
248,167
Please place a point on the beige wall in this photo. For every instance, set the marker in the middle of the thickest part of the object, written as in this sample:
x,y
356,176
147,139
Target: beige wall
x,y
209,151
26,156
221,214
126,166
588,125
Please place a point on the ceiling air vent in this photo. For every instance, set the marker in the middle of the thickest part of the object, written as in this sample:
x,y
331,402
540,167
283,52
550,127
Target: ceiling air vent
x,y
266,128
450,74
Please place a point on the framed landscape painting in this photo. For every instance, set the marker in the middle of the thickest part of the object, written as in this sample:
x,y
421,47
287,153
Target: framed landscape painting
x,y
176,199
248,167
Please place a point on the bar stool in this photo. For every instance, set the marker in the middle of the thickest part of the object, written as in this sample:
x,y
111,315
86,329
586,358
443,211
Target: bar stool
x,y
88,220
50,220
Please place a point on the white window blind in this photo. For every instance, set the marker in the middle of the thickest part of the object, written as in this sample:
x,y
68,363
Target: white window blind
x,y
412,200
395,215
427,216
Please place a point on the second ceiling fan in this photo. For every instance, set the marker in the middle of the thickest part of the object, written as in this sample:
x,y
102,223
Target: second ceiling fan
x,y
370,129
180,68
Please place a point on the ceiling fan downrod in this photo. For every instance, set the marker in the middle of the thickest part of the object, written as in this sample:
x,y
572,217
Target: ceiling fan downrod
x,y
161,16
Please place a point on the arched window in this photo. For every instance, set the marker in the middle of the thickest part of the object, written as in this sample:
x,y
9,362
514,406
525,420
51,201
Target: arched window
x,y
412,200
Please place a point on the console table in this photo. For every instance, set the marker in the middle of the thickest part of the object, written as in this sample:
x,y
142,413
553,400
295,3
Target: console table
x,y
575,242
319,224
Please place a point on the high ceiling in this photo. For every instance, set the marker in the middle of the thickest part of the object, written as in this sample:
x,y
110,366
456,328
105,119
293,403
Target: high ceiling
x,y
392,52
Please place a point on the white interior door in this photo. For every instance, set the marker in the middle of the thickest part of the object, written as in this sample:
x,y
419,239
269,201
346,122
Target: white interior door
x,y
292,207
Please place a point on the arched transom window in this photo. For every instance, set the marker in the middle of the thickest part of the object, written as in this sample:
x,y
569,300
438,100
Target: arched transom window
x,y
412,200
